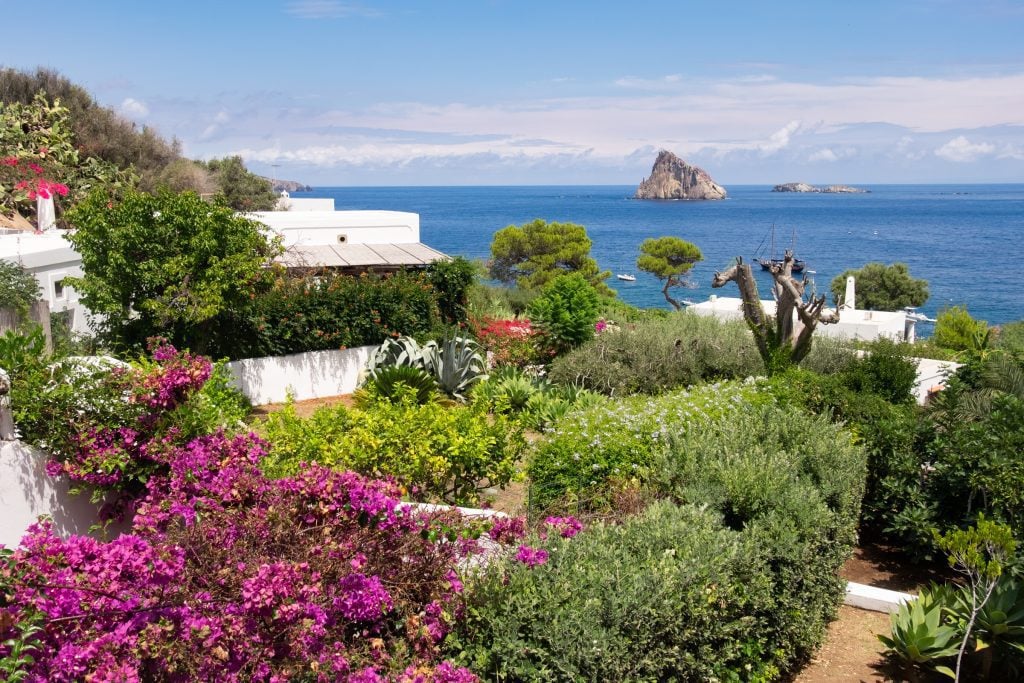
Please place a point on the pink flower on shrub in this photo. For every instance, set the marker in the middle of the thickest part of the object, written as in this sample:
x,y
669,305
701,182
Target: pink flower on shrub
x,y
567,527
507,529
363,598
532,557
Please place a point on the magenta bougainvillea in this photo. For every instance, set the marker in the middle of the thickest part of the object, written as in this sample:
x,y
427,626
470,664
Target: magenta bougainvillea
x,y
230,576
116,439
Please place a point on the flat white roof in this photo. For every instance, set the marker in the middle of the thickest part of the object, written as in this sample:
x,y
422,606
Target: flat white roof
x,y
33,250
283,220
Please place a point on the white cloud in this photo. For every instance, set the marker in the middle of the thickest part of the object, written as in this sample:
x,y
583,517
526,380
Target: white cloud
x,y
327,9
133,109
831,154
779,140
961,149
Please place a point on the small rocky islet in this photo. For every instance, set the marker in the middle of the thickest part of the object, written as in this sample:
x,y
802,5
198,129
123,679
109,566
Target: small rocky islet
x,y
820,189
673,178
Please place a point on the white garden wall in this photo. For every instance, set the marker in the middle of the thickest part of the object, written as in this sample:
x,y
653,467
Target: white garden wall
x,y
314,374
26,492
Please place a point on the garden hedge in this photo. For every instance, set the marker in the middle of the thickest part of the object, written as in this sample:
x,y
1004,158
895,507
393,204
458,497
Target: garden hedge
x,y
732,576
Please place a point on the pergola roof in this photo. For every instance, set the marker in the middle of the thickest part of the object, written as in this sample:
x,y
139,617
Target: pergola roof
x,y
359,255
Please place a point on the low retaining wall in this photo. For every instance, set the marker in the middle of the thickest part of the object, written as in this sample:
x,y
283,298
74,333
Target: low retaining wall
x,y
314,374
27,491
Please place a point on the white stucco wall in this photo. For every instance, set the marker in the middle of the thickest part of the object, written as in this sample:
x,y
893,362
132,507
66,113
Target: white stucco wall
x,y
314,374
27,491
357,227
853,324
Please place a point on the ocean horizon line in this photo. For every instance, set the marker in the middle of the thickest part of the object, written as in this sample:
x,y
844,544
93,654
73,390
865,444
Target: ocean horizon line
x,y
608,185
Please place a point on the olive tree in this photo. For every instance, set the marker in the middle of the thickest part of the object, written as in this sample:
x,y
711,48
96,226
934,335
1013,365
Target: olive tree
x,y
783,340
669,259
534,254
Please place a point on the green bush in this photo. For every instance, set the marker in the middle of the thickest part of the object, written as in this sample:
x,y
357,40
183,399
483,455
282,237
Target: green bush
x,y
451,279
956,330
894,503
661,354
332,311
565,313
617,440
438,453
1011,338
736,579
885,370
670,595
19,288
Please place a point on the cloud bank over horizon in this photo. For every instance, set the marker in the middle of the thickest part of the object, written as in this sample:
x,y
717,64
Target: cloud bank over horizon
x,y
745,130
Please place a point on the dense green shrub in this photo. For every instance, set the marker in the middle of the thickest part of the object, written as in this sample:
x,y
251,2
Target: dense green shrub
x,y
451,279
617,440
1011,338
19,288
662,354
956,330
437,453
331,311
886,369
736,579
565,313
670,595
889,433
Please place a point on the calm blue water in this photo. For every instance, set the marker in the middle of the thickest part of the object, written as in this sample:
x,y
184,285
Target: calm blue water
x,y
966,240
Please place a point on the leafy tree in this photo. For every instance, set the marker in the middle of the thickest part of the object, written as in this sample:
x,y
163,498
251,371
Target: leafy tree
x,y
955,329
244,191
165,264
534,254
669,259
883,288
19,288
566,312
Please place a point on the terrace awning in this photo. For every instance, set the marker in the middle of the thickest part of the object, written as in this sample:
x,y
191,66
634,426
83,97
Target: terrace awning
x,y
359,256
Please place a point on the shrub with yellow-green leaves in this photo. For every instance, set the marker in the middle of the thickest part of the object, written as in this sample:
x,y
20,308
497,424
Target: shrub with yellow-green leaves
x,y
436,452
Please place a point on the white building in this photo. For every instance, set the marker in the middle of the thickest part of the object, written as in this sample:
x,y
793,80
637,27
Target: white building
x,y
853,323
317,236
51,258
313,233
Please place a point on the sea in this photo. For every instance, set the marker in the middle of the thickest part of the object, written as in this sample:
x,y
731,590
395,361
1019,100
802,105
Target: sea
x,y
967,241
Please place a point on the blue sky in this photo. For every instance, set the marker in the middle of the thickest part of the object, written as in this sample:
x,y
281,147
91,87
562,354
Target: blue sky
x,y
523,92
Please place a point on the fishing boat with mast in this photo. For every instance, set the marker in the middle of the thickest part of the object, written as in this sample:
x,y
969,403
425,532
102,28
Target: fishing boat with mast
x,y
766,262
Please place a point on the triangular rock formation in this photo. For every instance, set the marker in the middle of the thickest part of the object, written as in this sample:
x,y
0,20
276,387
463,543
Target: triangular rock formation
x,y
673,178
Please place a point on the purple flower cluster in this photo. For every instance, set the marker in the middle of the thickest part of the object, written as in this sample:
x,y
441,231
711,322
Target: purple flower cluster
x,y
532,557
567,527
229,576
508,529
124,449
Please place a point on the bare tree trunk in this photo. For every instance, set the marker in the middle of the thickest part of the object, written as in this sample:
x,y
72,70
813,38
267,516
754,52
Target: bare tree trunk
x,y
784,341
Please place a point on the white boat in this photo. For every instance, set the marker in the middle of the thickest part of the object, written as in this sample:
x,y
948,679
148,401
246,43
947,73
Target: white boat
x,y
627,277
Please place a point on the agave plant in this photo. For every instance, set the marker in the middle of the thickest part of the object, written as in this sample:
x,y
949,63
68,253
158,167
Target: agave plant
x,y
919,636
457,364
401,351
999,626
392,382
